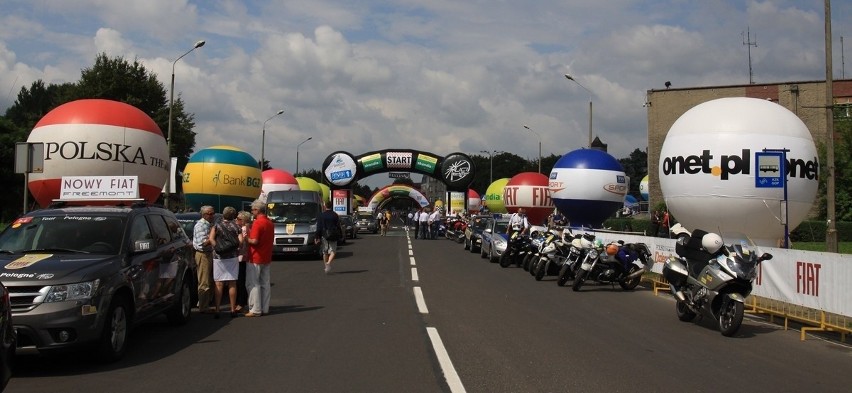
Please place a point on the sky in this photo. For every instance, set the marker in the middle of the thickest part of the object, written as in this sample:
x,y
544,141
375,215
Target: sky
x,y
440,76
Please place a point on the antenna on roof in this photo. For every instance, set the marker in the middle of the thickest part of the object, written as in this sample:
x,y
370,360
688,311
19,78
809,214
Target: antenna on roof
x,y
747,41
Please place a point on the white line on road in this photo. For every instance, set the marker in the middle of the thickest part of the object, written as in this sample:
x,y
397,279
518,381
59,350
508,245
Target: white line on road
x,y
410,252
414,276
421,302
450,373
412,261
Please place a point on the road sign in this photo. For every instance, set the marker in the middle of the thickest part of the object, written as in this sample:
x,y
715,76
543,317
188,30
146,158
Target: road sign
x,y
770,170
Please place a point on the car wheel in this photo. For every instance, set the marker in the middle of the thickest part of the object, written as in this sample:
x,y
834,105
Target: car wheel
x,y
113,341
180,312
482,252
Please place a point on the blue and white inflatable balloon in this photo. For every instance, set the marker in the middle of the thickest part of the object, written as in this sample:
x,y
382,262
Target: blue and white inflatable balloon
x,y
588,186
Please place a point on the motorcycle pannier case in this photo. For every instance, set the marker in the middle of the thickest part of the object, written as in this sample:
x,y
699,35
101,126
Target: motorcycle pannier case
x,y
675,272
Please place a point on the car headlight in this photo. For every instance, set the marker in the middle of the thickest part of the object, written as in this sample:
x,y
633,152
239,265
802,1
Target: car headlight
x,y
78,291
499,243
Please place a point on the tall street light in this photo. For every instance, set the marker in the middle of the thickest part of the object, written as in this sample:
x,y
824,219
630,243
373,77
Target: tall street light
x,y
297,152
491,160
539,146
571,78
197,45
263,139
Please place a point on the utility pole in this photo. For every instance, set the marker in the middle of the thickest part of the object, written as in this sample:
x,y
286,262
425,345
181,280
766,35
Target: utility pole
x,y
747,41
831,232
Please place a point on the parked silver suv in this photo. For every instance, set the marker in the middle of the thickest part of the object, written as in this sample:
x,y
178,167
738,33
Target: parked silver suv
x,y
83,276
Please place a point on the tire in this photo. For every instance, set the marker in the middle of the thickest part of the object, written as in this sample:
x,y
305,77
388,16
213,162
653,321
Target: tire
x,y
683,312
631,284
579,280
564,273
113,341
482,253
179,313
540,269
730,317
473,249
525,263
506,259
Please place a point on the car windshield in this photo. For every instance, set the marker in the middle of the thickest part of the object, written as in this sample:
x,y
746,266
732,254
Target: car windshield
x,y
299,212
500,226
480,223
64,233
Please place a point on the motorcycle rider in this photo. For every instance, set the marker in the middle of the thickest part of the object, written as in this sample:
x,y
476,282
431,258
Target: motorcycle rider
x,y
518,222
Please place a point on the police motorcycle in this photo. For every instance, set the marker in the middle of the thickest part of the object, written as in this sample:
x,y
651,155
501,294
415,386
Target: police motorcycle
x,y
616,263
530,253
551,256
516,248
712,275
577,251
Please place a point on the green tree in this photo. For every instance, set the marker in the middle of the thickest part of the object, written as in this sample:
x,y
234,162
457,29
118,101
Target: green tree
x,y
636,167
842,171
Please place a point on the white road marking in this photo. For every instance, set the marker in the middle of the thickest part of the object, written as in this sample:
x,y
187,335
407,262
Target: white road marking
x,y
421,302
447,367
412,261
414,276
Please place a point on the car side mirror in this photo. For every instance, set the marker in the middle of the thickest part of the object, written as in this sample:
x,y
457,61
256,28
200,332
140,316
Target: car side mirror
x,y
143,245
487,230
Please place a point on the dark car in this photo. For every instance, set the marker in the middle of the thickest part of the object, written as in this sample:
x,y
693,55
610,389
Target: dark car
x,y
348,224
83,276
473,232
366,223
7,338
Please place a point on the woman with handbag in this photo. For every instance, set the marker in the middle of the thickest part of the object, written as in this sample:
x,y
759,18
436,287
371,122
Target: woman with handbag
x,y
226,237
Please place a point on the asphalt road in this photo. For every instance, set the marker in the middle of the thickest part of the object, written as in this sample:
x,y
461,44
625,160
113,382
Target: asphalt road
x,y
360,329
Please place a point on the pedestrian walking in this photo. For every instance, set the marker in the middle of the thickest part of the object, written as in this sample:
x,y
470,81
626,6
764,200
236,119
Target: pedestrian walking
x,y
328,232
226,260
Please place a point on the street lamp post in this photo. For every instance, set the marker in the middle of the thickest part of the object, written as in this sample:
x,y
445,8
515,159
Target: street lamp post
x,y
197,45
263,139
491,163
297,152
571,78
539,146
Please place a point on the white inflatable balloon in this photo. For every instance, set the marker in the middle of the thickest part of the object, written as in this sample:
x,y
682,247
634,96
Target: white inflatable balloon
x,y
707,168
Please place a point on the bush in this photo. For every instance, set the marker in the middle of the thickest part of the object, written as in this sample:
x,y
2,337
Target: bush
x,y
814,231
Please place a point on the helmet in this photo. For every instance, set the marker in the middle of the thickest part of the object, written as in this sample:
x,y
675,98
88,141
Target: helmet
x,y
711,242
611,249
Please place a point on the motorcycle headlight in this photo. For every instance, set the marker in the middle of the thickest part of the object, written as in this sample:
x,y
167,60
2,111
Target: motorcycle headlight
x,y
550,247
593,253
78,291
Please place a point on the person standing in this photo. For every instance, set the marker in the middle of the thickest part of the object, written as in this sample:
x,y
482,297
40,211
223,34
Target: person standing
x,y
244,221
415,222
655,223
261,237
408,223
434,222
327,219
423,223
204,257
518,222
226,263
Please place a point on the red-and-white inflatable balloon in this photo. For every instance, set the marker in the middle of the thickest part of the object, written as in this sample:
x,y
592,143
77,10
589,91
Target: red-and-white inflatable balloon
x,y
277,180
97,137
529,190
474,202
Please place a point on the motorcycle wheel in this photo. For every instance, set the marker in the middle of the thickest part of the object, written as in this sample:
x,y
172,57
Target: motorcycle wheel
x,y
683,312
730,317
579,280
540,269
505,259
526,262
631,284
564,273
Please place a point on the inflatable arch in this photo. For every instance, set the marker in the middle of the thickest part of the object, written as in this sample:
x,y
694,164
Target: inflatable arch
x,y
397,191
341,169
